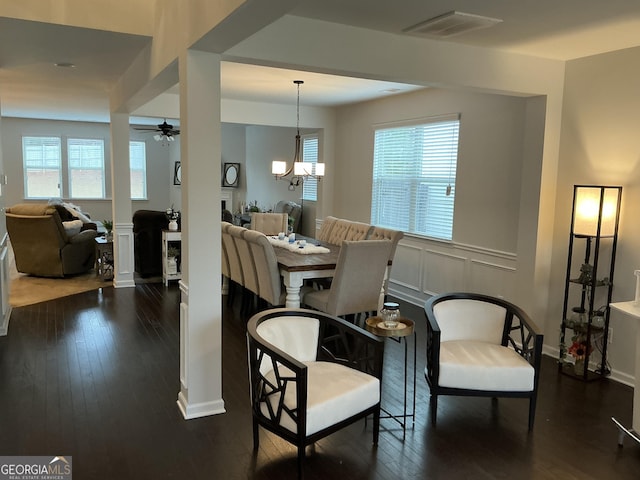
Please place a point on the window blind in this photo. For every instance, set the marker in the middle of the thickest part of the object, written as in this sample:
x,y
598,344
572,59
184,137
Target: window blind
x,y
86,167
41,157
138,169
413,168
310,154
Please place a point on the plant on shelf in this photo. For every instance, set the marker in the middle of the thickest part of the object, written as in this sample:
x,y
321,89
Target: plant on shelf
x,y
173,252
108,226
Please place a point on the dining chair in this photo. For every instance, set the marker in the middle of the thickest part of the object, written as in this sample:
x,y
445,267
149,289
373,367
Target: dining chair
x,y
358,231
235,269
325,228
481,346
270,223
248,267
379,233
264,257
339,231
224,261
357,282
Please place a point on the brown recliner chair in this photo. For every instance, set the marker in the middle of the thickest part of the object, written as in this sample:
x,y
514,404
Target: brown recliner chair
x,y
41,245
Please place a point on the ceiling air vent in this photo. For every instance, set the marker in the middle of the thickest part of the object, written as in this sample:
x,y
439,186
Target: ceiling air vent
x,y
450,24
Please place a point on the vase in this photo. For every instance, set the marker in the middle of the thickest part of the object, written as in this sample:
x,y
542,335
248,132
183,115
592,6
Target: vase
x,y
172,266
578,367
173,225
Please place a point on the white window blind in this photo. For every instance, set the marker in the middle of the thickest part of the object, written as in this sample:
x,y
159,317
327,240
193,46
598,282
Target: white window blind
x,y
310,154
413,168
86,167
138,168
41,157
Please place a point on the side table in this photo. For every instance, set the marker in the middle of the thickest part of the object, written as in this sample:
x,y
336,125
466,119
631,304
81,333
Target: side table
x,y
170,238
399,334
104,258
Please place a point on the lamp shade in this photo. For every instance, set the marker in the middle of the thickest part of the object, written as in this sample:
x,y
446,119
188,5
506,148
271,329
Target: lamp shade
x,y
320,169
278,167
593,204
301,169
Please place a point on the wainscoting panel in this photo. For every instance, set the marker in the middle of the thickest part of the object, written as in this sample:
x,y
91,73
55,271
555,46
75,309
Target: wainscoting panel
x,y
422,268
443,272
492,279
402,271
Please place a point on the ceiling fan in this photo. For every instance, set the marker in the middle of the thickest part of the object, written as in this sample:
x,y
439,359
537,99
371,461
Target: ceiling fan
x,y
164,131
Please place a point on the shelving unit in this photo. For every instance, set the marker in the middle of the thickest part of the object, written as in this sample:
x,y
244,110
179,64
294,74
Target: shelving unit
x,y
584,330
170,238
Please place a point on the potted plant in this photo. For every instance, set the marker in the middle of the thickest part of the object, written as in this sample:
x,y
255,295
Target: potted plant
x,y
108,226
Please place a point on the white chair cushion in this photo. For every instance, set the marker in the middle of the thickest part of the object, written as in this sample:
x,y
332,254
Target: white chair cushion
x,y
465,319
334,393
484,366
296,336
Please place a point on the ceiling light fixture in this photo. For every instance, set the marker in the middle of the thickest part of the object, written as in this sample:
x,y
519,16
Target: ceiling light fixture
x,y
300,169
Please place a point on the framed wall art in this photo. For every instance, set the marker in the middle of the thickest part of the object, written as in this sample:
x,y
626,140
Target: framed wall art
x,y
231,175
177,174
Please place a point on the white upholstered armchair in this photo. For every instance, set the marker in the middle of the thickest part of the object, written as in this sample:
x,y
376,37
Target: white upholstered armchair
x,y
479,345
311,374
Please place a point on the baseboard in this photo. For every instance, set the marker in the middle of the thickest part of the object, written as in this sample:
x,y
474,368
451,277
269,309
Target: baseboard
x,y
4,326
205,409
616,375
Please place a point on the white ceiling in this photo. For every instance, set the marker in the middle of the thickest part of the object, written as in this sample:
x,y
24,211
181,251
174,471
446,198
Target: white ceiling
x,y
31,86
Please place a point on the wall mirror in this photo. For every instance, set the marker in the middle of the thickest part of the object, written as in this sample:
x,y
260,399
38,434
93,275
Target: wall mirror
x,y
231,175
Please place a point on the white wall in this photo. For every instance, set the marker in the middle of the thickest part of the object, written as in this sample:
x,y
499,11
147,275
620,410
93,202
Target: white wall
x,y
600,145
157,161
489,159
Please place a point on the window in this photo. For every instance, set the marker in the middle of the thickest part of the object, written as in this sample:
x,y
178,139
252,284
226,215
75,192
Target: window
x,y
138,168
86,168
310,154
42,163
414,171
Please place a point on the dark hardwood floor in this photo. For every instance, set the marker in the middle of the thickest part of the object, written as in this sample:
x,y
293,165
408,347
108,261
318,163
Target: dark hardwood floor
x,y
95,376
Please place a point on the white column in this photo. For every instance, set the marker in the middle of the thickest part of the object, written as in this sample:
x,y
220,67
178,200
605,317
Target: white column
x,y
123,267
201,303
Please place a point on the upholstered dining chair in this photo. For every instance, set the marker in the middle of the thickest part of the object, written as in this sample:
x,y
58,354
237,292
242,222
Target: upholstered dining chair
x,y
264,258
358,231
357,282
224,261
325,228
249,274
479,345
311,374
379,233
270,223
235,269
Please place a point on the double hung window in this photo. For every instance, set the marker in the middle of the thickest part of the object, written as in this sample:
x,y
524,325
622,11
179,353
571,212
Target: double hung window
x,y
414,171
42,159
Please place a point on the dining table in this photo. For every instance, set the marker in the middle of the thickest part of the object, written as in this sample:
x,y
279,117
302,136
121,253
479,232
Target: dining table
x,y
296,267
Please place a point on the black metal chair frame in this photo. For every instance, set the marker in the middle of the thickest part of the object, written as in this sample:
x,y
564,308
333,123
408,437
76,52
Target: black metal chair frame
x,y
339,342
519,332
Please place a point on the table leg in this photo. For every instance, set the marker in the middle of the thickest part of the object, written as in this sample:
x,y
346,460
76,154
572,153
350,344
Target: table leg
x,y
293,283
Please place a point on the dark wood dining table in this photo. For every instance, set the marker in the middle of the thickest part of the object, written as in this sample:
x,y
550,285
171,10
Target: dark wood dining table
x,y
295,268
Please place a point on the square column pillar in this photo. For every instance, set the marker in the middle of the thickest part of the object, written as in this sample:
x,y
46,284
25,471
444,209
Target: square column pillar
x,y
201,301
123,266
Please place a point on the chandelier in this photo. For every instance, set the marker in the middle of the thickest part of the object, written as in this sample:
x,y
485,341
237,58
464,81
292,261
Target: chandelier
x,y
301,170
